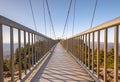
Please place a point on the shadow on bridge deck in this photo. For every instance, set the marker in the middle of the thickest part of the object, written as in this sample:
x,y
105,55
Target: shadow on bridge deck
x,y
61,67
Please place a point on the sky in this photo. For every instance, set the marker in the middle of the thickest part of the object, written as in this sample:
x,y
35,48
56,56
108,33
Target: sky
x,y
19,11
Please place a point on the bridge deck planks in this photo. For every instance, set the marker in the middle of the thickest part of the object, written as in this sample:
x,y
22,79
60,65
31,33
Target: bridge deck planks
x,y
61,67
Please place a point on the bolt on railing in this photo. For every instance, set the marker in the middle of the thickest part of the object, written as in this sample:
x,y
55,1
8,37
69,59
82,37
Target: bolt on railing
x,y
82,46
35,46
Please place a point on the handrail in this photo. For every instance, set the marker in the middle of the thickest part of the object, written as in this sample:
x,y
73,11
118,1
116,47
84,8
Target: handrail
x,y
110,23
38,44
8,22
83,44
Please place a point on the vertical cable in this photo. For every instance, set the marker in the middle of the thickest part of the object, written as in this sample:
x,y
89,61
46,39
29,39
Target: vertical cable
x,y
50,18
67,18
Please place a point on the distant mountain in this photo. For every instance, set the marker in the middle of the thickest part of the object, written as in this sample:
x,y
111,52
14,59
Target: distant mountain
x,y
6,49
109,45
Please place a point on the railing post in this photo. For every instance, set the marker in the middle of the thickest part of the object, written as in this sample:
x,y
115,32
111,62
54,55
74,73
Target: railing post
x,y
12,54
32,48
25,59
89,50
67,44
29,51
105,55
116,38
81,48
77,47
72,45
83,51
1,54
39,55
98,52
48,45
93,52
37,48
86,49
19,53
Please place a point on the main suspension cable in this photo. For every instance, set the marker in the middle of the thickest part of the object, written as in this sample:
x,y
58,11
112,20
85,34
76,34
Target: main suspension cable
x,y
93,14
74,16
33,15
67,18
44,17
50,18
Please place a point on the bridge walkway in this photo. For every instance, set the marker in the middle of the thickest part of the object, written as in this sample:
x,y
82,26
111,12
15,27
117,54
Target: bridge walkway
x,y
61,67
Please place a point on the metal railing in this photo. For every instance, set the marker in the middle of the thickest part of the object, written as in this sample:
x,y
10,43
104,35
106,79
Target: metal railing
x,y
35,45
83,47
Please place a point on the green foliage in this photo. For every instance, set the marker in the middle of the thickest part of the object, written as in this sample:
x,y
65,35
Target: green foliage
x,y
110,59
76,49
101,57
6,65
26,52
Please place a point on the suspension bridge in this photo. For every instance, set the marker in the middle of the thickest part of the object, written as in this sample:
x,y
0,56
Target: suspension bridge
x,y
78,58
